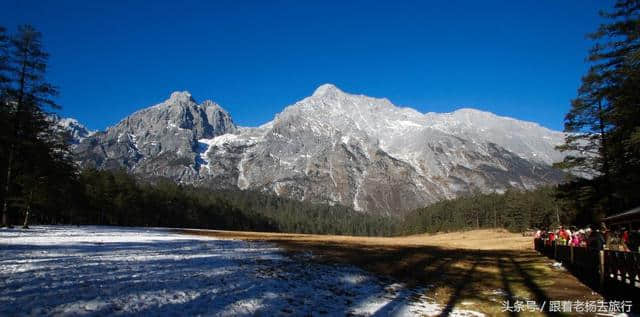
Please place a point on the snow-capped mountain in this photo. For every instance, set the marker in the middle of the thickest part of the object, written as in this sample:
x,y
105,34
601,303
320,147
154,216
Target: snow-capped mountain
x,y
77,131
332,147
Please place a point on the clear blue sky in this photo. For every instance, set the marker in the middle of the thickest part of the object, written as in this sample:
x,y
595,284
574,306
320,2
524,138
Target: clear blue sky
x,y
522,59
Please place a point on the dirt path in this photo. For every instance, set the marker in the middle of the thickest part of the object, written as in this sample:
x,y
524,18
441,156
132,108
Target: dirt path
x,y
475,270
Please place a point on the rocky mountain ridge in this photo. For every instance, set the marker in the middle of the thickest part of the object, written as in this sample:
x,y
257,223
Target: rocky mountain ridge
x,y
331,147
77,131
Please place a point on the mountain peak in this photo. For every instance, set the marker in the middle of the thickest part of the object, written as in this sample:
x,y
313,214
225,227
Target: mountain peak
x,y
212,104
76,129
326,89
181,96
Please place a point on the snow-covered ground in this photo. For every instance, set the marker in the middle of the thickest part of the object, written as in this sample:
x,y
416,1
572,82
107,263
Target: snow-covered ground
x,y
54,270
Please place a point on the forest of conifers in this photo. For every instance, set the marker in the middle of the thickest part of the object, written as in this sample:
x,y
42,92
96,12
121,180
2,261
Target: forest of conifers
x,y
40,183
118,198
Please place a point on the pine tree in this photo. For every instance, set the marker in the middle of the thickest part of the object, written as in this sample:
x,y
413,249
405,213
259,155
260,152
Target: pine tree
x,y
620,58
603,124
28,98
51,174
5,122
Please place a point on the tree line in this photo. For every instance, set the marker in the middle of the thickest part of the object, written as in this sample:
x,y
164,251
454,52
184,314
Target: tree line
x,y
103,197
515,210
119,198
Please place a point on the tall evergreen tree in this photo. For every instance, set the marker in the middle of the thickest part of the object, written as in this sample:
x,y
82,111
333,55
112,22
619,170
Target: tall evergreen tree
x,y
51,173
603,124
28,96
4,107
621,57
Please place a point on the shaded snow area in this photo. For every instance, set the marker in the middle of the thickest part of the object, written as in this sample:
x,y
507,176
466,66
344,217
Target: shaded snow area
x,y
96,271
203,151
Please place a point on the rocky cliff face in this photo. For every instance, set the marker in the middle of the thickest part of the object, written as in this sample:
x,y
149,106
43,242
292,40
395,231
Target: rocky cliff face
x,y
158,141
332,147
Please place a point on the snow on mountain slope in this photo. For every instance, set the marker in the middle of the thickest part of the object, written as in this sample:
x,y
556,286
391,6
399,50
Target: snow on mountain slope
x,y
77,130
382,120
333,147
527,139
367,153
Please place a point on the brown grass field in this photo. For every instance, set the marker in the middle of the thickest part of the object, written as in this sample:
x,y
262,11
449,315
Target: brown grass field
x,y
474,270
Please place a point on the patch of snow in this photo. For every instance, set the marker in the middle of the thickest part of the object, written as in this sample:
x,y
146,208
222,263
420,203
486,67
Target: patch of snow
x,y
405,124
359,181
230,139
134,142
243,183
204,145
96,271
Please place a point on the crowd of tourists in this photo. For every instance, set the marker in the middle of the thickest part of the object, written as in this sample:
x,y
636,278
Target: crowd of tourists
x,y
594,237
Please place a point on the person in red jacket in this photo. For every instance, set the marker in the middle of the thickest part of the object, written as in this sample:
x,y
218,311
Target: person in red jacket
x,y
563,235
624,239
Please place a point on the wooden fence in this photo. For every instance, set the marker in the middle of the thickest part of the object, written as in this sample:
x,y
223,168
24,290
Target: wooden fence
x,y
605,267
